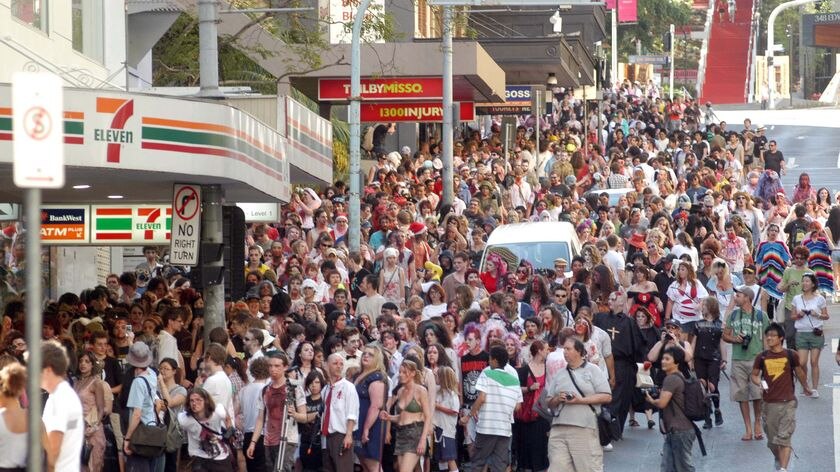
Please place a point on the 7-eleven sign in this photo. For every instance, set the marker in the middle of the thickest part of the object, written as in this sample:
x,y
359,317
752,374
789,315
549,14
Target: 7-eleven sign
x,y
131,224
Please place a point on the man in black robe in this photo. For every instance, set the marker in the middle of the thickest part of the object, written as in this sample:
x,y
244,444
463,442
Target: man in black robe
x,y
627,350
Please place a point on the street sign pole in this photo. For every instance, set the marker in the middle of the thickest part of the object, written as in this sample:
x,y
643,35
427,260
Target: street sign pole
x,y
38,149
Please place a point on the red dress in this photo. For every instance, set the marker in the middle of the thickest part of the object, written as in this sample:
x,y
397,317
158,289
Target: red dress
x,y
489,281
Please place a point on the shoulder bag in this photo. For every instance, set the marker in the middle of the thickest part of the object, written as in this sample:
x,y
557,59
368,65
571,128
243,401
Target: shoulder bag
x,y
149,440
608,428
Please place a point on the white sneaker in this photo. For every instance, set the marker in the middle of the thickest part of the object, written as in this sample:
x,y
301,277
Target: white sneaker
x,y
815,394
608,447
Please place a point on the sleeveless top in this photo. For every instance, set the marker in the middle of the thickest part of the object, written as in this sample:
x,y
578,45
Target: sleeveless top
x,y
13,445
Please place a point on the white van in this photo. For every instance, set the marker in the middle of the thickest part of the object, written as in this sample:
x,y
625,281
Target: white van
x,y
540,243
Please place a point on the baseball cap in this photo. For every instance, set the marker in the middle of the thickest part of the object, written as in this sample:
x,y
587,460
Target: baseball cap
x,y
309,283
744,290
673,322
405,150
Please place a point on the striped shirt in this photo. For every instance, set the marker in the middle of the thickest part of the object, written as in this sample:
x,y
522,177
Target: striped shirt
x,y
502,394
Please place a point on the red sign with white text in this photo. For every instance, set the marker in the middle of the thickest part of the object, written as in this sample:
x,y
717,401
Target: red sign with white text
x,y
414,112
396,88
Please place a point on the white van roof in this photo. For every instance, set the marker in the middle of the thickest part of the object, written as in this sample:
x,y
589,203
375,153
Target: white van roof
x,y
532,232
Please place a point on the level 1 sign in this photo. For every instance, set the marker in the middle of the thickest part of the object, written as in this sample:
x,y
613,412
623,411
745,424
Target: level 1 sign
x,y
186,224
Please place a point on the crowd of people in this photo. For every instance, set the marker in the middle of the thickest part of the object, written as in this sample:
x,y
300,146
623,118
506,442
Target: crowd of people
x,y
418,350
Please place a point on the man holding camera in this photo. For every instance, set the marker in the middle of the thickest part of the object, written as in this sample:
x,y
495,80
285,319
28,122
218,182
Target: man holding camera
x,y
744,329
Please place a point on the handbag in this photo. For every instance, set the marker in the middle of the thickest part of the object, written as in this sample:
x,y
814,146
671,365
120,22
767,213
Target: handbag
x,y
541,406
526,413
608,428
174,435
87,448
149,440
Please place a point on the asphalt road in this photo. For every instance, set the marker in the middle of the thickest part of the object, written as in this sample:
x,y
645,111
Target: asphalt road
x,y
810,140
814,441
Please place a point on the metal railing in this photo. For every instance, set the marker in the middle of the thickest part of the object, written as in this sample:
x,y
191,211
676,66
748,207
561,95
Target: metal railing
x,y
704,49
749,85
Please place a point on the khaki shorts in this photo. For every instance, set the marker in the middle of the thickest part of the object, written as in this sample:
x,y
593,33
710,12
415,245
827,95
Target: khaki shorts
x,y
807,340
741,387
779,420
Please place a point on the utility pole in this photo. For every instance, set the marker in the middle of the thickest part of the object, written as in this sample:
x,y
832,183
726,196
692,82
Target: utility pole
x,y
614,45
208,48
447,159
671,72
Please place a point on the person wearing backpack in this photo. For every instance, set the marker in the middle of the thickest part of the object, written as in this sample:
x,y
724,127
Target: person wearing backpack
x,y
675,425
773,372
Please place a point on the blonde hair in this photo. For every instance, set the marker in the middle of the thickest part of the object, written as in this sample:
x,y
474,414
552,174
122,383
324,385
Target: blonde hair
x,y
378,362
447,380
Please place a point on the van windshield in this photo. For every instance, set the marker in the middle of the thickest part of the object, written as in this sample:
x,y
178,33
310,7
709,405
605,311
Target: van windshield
x,y
540,255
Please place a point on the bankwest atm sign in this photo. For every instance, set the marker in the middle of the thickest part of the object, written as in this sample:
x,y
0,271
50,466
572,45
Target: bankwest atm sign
x,y
121,225
400,88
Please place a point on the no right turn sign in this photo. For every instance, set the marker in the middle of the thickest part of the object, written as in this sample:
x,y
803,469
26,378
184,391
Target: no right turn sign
x,y
186,225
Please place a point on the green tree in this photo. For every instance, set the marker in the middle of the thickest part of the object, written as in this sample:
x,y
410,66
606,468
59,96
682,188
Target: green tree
x,y
654,19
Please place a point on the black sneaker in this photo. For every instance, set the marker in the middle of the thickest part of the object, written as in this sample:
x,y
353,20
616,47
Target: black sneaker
x,y
707,424
718,418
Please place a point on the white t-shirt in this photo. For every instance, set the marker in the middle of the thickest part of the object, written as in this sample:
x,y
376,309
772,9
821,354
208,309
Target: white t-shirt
x,y
193,429
442,420
811,320
167,347
615,261
433,310
219,387
63,412
502,394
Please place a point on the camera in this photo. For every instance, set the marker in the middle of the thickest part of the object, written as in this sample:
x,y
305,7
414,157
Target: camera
x,y
629,266
568,396
652,391
745,343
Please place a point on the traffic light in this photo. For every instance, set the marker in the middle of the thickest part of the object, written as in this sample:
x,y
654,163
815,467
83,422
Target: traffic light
x,y
666,42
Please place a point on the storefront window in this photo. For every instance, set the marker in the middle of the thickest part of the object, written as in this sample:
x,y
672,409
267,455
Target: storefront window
x,y
31,12
88,28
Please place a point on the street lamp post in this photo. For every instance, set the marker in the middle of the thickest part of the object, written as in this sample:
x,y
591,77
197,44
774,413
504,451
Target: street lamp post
x,y
356,126
789,34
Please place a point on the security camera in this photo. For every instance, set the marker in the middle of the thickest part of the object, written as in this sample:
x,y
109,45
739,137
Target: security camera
x,y
557,22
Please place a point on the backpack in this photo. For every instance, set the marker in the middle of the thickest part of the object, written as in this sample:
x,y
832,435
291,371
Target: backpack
x,y
697,403
797,235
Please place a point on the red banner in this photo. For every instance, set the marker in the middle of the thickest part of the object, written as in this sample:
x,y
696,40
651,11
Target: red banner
x,y
627,11
413,112
397,88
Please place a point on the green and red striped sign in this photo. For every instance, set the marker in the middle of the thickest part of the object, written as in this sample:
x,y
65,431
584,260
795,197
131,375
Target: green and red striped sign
x,y
74,126
130,224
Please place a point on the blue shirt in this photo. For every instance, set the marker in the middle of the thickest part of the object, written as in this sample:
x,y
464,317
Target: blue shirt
x,y
138,396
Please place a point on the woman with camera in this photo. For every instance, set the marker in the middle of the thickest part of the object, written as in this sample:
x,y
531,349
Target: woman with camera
x,y
671,337
809,312
573,443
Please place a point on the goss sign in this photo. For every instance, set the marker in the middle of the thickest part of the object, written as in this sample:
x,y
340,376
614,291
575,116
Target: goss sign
x,y
186,224
518,95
